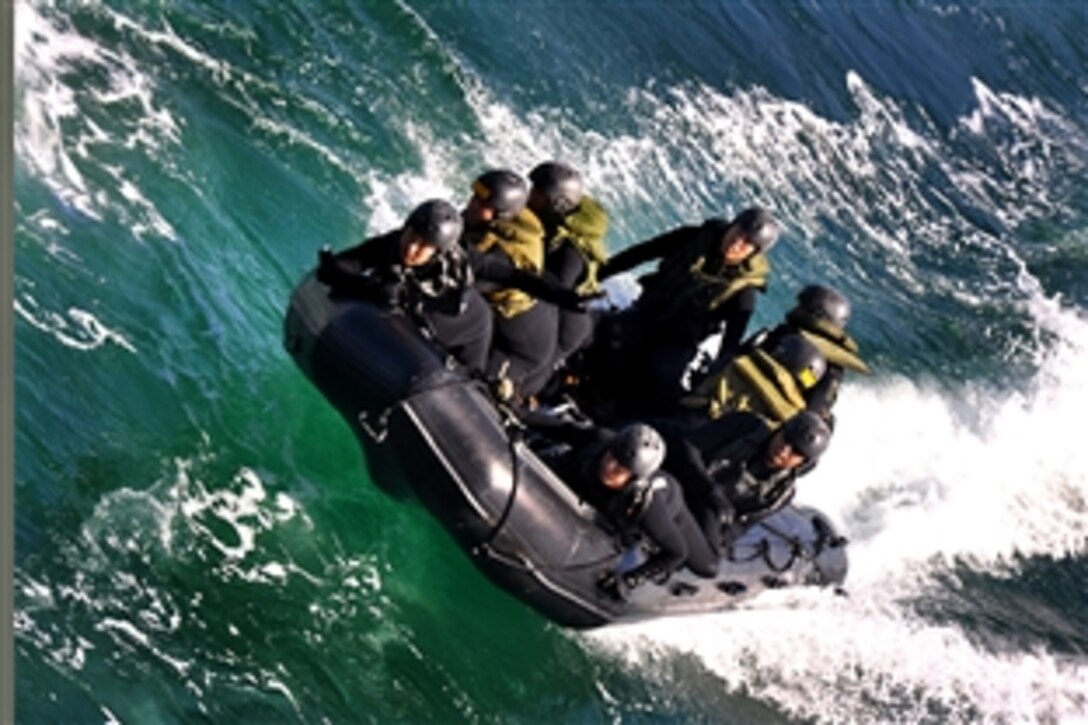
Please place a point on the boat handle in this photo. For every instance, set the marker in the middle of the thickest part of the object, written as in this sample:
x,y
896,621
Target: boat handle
x,y
380,432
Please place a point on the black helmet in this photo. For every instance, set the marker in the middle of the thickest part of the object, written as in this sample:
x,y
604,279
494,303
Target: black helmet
x,y
437,222
560,183
638,448
825,303
802,358
807,434
502,190
759,225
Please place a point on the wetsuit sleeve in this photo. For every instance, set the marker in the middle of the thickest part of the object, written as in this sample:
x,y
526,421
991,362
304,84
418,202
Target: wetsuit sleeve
x,y
736,314
567,265
659,525
496,267
546,287
491,266
684,460
361,271
712,435
563,431
655,248
367,254
770,506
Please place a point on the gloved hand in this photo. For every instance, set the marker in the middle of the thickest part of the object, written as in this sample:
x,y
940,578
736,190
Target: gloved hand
x,y
391,295
726,513
615,586
325,265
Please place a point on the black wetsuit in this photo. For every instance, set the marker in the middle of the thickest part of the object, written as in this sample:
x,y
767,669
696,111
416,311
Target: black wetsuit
x,y
660,334
437,295
524,345
655,507
721,465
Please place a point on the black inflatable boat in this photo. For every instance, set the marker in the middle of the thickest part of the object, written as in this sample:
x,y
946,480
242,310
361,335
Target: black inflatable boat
x,y
521,525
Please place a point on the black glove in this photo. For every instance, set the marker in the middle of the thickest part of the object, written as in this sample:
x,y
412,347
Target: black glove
x,y
727,514
615,586
605,271
391,295
326,266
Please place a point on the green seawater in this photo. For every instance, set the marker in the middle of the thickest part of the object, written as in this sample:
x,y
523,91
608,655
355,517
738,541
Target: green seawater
x,y
196,536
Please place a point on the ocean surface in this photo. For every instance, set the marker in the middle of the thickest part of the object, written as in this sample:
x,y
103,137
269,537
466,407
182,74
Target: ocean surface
x,y
196,538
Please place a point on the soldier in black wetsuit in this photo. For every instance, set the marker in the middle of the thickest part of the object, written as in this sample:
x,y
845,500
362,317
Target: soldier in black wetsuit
x,y
500,227
421,270
708,281
738,468
574,229
618,474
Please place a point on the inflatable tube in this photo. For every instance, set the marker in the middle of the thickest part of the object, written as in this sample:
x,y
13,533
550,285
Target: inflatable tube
x,y
410,407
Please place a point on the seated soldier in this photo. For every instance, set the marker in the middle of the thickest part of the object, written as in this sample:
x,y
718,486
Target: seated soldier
x,y
500,227
738,468
618,474
821,315
574,229
771,381
421,270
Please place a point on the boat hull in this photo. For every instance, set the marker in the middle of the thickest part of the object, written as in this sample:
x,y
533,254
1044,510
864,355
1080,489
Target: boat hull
x,y
430,430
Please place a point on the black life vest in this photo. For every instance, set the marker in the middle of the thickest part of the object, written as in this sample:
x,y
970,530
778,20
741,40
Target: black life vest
x,y
731,467
627,507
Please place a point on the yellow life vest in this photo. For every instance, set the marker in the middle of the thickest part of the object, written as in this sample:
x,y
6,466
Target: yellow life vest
x,y
752,272
585,228
753,382
838,347
694,277
521,239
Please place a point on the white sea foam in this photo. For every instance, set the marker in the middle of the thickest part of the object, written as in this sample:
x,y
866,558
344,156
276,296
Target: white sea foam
x,y
58,140
77,329
129,535
1038,153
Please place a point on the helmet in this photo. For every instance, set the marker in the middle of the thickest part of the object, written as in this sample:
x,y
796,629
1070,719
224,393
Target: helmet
x,y
759,225
825,303
808,434
802,358
638,448
502,190
437,222
560,183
